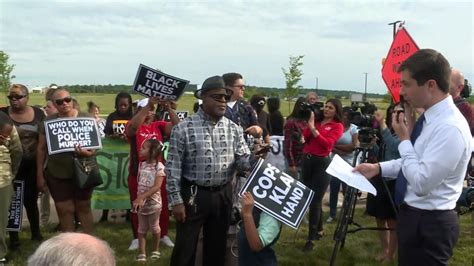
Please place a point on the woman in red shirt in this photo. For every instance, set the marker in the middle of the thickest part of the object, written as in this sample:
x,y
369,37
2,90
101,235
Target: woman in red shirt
x,y
320,137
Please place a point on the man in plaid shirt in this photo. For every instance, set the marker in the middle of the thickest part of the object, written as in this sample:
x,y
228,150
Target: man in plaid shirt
x,y
205,151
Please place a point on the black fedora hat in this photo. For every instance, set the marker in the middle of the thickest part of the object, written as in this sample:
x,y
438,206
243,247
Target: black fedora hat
x,y
214,82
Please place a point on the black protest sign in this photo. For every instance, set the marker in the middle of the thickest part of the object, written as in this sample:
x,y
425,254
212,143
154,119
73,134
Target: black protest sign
x,y
118,127
63,134
153,83
15,213
278,194
181,115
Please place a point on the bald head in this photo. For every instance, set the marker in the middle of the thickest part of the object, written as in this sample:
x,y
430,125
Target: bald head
x,y
73,249
457,83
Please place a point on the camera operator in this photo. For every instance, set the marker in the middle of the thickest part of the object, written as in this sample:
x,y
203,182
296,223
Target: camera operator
x,y
293,143
320,138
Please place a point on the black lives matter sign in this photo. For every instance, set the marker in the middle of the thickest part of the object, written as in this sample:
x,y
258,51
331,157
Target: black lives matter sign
x,y
153,83
278,194
63,134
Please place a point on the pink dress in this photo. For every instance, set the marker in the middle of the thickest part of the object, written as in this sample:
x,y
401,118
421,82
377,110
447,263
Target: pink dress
x,y
146,180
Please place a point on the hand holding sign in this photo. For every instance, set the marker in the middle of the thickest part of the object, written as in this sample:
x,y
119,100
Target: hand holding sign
x,y
247,204
83,152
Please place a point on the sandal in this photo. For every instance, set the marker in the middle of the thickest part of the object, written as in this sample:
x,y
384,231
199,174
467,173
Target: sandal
x,y
155,255
141,257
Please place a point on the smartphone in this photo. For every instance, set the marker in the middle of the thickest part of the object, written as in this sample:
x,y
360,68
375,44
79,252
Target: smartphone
x,y
401,108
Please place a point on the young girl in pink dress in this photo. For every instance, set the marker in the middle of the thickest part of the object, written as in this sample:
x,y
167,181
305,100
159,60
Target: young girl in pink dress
x,y
148,202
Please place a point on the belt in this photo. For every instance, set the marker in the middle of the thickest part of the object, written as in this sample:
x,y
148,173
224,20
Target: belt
x,y
405,206
205,188
309,156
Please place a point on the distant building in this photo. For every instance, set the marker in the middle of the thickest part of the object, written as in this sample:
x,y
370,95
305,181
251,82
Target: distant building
x,y
38,89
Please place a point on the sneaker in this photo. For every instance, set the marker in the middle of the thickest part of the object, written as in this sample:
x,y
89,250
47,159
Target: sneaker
x,y
308,246
155,255
330,220
141,257
134,245
167,241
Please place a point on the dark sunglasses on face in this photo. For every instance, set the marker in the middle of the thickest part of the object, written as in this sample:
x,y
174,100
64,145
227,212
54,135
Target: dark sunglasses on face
x,y
219,96
16,97
67,99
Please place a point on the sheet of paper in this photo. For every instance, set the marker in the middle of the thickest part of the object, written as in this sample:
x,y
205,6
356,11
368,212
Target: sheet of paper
x,y
343,171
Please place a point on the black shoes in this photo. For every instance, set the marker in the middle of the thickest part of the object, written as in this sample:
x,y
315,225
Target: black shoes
x,y
308,246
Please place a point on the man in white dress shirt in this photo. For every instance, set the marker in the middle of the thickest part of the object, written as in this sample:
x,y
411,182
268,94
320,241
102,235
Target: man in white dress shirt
x,y
432,165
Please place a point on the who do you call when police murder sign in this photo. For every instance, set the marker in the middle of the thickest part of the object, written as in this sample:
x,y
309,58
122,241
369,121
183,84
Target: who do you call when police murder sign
x,y
278,194
63,134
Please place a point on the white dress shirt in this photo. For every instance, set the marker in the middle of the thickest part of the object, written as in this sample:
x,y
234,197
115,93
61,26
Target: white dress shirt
x,y
436,165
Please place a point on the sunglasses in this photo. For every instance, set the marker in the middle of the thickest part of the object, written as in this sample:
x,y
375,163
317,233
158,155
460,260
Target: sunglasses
x,y
219,96
16,97
239,86
67,99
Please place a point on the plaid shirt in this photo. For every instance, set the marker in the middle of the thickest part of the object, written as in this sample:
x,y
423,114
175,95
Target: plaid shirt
x,y
204,152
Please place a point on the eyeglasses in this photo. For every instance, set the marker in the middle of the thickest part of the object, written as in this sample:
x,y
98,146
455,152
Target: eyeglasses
x,y
239,86
16,97
219,96
67,99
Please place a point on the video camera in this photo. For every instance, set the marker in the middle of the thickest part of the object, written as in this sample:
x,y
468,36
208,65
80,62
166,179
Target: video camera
x,y
364,120
316,108
466,91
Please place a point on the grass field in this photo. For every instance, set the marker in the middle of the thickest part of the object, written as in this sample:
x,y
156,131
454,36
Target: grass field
x,y
360,248
185,103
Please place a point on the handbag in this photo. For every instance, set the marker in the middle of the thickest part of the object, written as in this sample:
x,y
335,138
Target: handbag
x,y
86,172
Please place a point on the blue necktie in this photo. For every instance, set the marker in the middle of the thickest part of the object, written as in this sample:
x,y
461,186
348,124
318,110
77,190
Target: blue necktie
x,y
401,183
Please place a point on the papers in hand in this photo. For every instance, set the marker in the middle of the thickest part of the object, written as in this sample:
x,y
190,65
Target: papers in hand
x,y
343,171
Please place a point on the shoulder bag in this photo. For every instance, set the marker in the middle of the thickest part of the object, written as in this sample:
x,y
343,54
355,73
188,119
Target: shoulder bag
x,y
86,172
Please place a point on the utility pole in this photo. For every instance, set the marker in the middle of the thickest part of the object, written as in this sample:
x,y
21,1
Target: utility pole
x,y
395,26
365,94
317,83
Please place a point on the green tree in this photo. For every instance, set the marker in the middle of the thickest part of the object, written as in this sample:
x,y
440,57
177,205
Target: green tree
x,y
293,76
5,71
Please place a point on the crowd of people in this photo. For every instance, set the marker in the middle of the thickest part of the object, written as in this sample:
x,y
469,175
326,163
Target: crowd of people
x,y
211,152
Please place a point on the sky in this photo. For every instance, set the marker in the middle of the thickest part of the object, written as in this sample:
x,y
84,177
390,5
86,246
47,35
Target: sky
x,y
103,42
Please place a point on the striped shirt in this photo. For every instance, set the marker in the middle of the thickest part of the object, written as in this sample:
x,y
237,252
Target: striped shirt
x,y
205,152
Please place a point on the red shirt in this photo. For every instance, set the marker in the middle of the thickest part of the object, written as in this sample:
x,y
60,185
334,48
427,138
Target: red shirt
x,y
323,144
153,130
